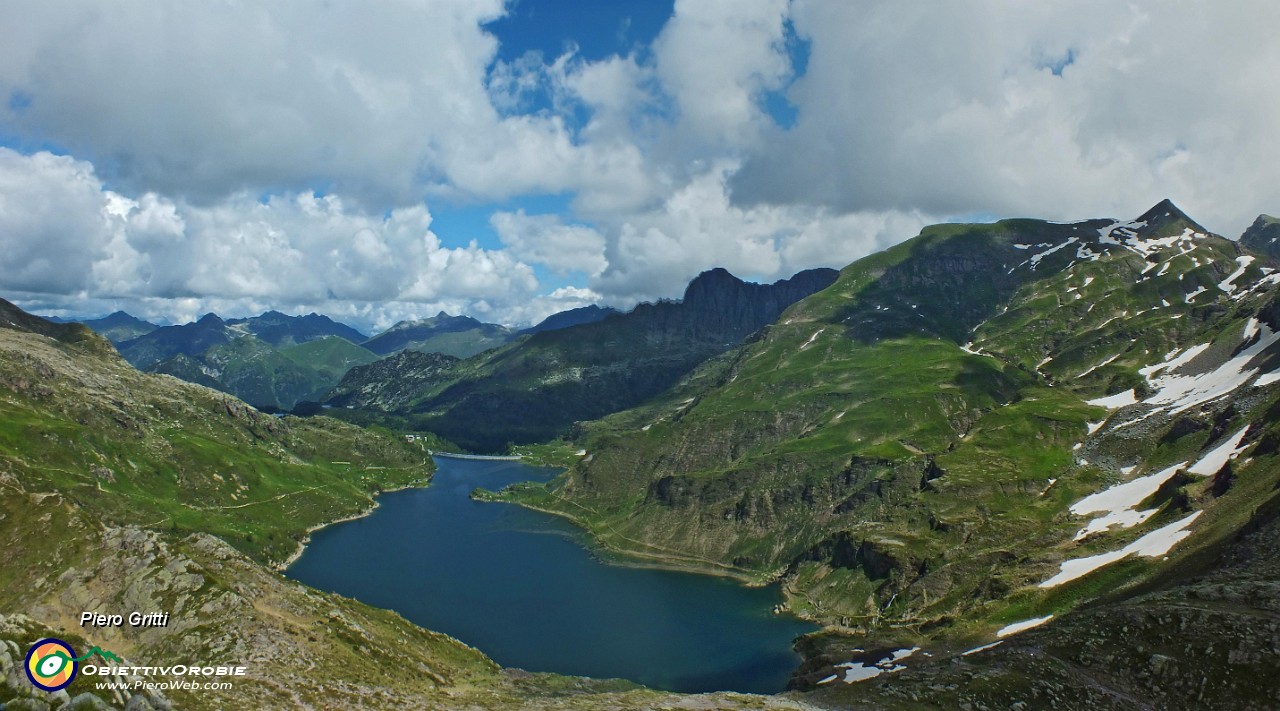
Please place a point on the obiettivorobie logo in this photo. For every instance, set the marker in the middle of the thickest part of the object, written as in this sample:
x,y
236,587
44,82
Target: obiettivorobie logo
x,y
51,663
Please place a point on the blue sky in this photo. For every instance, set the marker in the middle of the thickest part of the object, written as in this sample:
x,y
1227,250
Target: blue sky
x,y
507,160
551,28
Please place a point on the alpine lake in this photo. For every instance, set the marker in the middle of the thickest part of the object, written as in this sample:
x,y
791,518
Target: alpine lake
x,y
522,587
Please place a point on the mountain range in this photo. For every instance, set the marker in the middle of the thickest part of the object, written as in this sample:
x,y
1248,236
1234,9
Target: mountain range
x,y
535,388
1023,464
980,430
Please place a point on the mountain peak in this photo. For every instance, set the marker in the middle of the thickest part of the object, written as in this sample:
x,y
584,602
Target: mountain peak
x,y
711,281
1165,218
211,319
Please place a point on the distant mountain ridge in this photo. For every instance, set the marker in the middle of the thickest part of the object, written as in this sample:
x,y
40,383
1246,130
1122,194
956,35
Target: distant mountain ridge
x,y
120,327
536,387
283,330
572,317
458,336
271,361
1263,236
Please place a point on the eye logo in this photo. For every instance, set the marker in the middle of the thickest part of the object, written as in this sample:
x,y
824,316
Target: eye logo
x,y
51,664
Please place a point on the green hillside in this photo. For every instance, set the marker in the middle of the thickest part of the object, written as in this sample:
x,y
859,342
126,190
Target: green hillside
x,y
329,357
903,449
122,490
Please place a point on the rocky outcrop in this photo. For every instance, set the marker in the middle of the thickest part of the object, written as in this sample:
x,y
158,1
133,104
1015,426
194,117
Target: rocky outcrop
x,y
17,693
393,383
1263,236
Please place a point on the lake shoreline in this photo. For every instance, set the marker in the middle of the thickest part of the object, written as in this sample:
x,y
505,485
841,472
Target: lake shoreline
x,y
283,566
626,558
491,576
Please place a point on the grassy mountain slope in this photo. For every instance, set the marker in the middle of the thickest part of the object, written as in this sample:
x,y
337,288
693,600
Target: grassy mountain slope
x,y
122,490
1201,633
253,371
330,357
272,360
903,449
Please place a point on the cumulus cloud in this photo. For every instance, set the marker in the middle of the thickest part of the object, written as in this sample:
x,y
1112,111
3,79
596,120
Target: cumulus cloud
x,y
547,240
717,58
62,233
52,222
1056,109
283,154
383,102
654,253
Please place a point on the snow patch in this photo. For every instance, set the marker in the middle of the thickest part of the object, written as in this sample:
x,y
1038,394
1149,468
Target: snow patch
x,y
983,648
813,338
1178,393
1035,258
1106,362
1118,400
1226,284
1152,545
1017,627
857,671
1210,463
968,348
1118,503
1266,379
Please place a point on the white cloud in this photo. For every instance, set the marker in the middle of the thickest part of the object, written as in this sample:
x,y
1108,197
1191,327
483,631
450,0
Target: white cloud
x,y
547,240
907,111
654,253
62,233
52,222
716,58
954,108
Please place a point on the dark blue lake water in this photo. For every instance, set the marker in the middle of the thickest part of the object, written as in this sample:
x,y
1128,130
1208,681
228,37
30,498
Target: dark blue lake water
x,y
518,585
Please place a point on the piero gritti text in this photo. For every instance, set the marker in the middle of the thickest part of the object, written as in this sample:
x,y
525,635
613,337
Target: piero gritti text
x,y
133,619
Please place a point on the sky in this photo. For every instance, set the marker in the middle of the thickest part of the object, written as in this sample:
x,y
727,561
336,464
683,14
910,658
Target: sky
x,y
507,160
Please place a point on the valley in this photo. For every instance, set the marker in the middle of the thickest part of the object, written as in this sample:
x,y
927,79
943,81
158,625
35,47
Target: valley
x,y
1012,462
